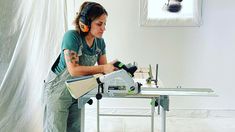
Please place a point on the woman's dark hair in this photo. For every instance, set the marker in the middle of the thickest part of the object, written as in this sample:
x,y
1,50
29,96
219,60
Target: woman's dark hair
x,y
95,11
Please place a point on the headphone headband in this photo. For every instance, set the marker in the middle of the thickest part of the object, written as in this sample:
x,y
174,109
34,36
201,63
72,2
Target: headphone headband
x,y
86,9
84,21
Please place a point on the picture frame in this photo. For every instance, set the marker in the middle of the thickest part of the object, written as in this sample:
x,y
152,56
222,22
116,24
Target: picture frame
x,y
157,13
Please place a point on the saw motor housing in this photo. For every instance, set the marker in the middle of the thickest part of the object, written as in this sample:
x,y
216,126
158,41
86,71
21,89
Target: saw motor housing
x,y
119,83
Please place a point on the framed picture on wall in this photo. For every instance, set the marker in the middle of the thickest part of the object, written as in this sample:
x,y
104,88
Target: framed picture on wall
x,y
170,12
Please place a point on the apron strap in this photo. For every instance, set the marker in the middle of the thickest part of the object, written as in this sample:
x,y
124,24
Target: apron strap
x,y
55,63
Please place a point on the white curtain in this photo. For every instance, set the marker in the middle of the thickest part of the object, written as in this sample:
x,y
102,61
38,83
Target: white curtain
x,y
33,29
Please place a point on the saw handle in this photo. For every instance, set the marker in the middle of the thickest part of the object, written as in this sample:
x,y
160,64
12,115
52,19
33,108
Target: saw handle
x,y
120,65
130,70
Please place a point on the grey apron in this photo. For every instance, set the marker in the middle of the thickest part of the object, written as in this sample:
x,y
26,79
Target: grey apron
x,y
62,113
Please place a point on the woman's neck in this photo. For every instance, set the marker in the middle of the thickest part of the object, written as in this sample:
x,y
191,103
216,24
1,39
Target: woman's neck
x,y
89,40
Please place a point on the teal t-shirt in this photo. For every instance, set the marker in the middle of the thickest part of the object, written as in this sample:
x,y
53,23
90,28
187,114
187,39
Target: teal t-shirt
x,y
88,56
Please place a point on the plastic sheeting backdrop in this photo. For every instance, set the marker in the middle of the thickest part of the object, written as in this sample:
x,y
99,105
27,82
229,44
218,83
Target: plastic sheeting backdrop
x,y
30,37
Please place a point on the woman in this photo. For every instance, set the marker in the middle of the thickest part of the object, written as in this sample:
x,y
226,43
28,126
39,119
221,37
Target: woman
x,y
81,49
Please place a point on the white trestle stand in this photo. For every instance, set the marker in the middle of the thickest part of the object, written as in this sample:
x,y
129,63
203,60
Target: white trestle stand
x,y
159,94
85,87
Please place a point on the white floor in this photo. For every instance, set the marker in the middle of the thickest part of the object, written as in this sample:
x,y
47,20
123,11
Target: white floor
x,y
186,123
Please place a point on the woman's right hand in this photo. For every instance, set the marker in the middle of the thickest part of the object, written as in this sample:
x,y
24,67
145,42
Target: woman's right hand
x,y
108,68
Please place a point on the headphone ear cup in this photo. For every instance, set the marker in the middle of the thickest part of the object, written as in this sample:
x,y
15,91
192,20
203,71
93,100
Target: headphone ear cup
x,y
84,24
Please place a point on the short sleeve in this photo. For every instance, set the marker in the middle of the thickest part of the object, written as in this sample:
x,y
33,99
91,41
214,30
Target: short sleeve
x,y
72,41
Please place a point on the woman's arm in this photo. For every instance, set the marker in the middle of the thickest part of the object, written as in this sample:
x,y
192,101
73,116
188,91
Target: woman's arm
x,y
102,60
72,59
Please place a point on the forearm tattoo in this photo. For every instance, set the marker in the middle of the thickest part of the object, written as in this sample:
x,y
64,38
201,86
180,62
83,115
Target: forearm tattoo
x,y
71,56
